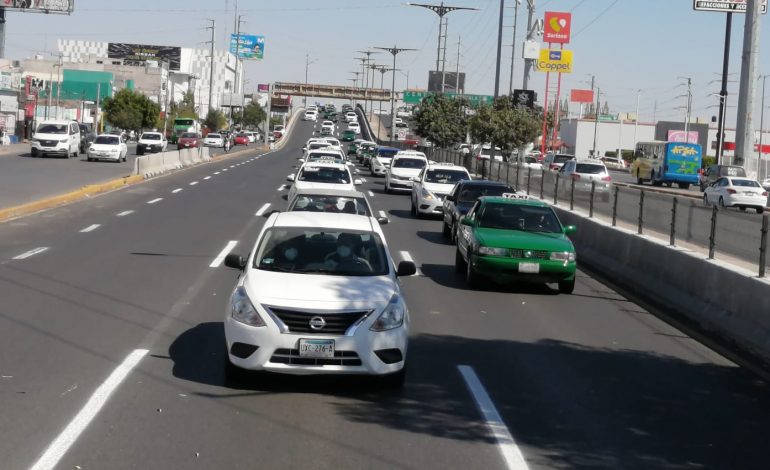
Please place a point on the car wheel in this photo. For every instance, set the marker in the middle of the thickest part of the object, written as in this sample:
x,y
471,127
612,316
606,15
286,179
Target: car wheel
x,y
413,210
89,159
721,202
393,381
34,153
471,276
445,230
742,209
459,261
566,287
759,210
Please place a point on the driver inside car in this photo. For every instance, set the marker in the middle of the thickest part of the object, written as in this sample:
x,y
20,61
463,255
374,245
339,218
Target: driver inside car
x,y
344,257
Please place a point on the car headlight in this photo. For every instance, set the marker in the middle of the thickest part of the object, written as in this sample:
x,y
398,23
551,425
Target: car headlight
x,y
562,256
425,194
489,251
114,151
64,141
242,310
392,316
34,140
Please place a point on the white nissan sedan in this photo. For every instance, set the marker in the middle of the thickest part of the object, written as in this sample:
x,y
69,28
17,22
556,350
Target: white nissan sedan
x,y
742,193
319,294
107,147
322,175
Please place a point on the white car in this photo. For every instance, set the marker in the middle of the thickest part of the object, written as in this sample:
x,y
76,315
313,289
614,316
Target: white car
x,y
214,140
107,147
529,162
251,136
310,115
334,201
766,184
60,138
353,126
404,167
329,154
613,163
380,162
322,175
432,185
334,141
742,193
351,116
150,142
318,294
484,152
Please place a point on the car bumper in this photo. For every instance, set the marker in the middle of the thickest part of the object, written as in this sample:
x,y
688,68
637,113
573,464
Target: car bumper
x,y
149,148
60,149
104,156
507,269
430,206
400,185
277,352
749,201
379,170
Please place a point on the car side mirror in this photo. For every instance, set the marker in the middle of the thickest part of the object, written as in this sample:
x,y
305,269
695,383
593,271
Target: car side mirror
x,y
383,220
406,268
235,261
290,178
466,221
357,181
570,229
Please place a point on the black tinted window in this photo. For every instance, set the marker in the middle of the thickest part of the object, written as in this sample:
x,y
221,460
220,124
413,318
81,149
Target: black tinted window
x,y
470,193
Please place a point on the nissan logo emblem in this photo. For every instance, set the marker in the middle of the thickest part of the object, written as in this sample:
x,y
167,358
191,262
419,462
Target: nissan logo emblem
x,y
528,254
317,323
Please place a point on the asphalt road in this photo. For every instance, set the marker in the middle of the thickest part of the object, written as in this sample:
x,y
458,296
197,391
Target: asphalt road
x,y
590,380
25,179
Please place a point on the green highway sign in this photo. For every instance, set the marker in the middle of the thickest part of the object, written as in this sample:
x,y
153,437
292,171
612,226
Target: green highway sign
x,y
415,97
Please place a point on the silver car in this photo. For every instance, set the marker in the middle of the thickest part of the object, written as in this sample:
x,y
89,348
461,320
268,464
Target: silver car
x,y
584,173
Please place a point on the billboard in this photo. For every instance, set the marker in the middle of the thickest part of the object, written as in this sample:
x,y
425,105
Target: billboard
x,y
553,60
581,96
680,136
524,98
39,6
734,6
140,54
263,87
450,81
247,46
556,27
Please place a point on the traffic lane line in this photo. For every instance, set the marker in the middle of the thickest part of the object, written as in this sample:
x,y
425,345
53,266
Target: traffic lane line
x,y
405,256
222,254
59,447
193,183
506,444
176,190
90,228
156,200
31,253
124,213
262,209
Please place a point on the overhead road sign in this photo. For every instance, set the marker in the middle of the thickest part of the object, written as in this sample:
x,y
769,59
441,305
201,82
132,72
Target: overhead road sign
x,y
556,27
554,61
726,6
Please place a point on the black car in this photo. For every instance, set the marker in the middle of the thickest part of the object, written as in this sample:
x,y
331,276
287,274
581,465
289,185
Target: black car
x,y
86,136
462,198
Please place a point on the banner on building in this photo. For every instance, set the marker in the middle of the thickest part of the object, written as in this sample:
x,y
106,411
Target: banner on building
x,y
247,46
450,80
39,6
680,136
263,88
141,54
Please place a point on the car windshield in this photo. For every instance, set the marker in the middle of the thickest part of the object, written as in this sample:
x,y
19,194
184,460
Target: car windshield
x,y
590,168
746,183
519,217
150,136
315,174
321,251
189,135
445,176
214,136
470,193
412,163
52,129
329,203
107,140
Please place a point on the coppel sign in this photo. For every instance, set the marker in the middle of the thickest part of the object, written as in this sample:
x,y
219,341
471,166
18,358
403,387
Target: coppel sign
x,y
554,61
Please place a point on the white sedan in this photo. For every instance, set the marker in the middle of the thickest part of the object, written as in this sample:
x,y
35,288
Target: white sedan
x,y
742,193
353,126
107,147
214,140
322,175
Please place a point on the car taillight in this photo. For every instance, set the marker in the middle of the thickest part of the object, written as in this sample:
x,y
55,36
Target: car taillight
x,y
731,191
764,193
607,178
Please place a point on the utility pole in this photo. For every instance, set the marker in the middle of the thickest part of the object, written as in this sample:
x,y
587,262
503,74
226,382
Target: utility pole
x,y
2,33
394,51
211,66
363,76
499,49
236,79
366,74
457,70
307,66
636,121
382,69
513,42
596,118
744,132
443,59
58,84
530,36
97,129
723,90
761,126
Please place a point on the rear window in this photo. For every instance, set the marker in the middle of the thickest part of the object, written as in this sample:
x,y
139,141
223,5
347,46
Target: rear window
x,y
150,136
324,175
746,183
590,168
189,135
733,171
215,136
387,153
445,176
107,140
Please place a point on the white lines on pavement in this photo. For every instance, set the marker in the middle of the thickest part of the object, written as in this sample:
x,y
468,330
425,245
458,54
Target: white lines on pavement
x,y
514,460
281,187
363,180
176,190
383,214
29,253
370,193
193,183
262,209
221,256
90,228
405,256
124,213
207,177
224,169
80,422
232,166
157,199
216,172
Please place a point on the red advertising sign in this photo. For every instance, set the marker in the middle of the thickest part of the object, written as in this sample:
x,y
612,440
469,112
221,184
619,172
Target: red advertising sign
x,y
263,88
581,96
557,27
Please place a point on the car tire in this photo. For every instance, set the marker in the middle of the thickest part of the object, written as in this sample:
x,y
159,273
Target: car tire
x,y
459,261
393,381
34,153
471,276
683,185
445,231
566,287
413,210
140,152
759,210
89,159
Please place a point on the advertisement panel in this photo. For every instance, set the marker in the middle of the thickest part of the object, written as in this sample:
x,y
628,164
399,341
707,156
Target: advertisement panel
x,y
39,6
524,99
140,54
734,6
581,96
247,46
555,61
450,81
556,27
680,136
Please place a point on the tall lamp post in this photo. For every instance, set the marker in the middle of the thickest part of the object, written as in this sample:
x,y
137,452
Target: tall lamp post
x,y
366,74
761,125
394,51
308,62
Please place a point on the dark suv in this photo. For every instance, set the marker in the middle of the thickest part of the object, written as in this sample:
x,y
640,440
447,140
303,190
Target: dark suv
x,y
714,172
461,199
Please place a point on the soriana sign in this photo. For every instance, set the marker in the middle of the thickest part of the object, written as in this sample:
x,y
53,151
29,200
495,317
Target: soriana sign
x,y
557,27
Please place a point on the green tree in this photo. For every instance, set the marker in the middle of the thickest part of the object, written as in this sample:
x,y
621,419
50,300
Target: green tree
x,y
253,116
504,125
128,109
215,120
441,120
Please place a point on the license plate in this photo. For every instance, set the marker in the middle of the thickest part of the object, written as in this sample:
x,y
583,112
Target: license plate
x,y
531,268
316,348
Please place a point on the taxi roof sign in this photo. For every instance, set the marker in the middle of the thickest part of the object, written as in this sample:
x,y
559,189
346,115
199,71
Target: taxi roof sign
x,y
514,196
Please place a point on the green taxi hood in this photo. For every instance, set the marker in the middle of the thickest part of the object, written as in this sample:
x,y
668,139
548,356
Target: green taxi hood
x,y
499,238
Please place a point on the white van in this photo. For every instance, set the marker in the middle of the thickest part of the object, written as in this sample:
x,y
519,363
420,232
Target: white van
x,y
56,137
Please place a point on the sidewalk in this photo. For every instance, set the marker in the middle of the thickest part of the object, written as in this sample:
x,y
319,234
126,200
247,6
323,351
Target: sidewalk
x,y
14,150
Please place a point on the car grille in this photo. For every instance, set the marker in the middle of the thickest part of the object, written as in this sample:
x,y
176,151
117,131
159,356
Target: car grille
x,y
48,143
291,356
337,323
519,253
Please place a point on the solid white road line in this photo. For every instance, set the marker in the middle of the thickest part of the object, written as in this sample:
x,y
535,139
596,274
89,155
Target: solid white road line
x,y
262,210
216,172
155,200
221,256
193,183
370,193
405,256
124,213
80,422
90,228
176,190
383,214
207,177
31,253
514,460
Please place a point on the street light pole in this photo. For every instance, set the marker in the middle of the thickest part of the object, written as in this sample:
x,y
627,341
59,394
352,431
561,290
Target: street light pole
x,y
636,121
761,125
394,51
307,66
596,119
513,42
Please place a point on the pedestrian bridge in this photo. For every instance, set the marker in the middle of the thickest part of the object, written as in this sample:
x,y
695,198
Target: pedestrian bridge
x,y
331,91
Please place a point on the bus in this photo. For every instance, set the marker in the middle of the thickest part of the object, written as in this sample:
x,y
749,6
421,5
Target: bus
x,y
182,125
660,162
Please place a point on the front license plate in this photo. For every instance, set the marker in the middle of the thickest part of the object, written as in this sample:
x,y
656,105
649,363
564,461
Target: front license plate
x,y
316,348
531,268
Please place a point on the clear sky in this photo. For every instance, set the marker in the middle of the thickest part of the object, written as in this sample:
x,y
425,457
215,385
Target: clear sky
x,y
627,44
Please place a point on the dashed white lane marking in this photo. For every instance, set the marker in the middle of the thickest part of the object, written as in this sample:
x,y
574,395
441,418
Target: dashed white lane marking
x,y
158,199
232,166
124,213
514,460
207,177
382,214
176,190
29,253
90,228
224,169
193,183
281,188
262,209
370,193
80,422
216,172
405,256
221,256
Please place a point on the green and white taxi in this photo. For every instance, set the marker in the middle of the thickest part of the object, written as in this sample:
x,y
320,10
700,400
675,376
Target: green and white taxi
x,y
513,238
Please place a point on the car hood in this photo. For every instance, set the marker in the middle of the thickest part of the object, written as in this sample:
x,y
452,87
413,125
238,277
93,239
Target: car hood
x,y
405,172
527,240
319,291
439,188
